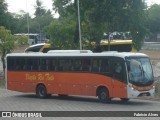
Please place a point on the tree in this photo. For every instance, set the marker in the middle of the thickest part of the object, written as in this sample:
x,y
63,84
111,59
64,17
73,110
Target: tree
x,y
40,11
20,22
61,34
42,19
153,22
99,16
8,42
6,19
3,12
40,23
121,15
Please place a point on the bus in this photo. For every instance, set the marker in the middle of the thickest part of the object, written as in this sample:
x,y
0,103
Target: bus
x,y
115,45
34,38
106,75
115,41
41,47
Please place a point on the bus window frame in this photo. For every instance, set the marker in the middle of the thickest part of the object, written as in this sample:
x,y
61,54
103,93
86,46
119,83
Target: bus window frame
x,y
124,70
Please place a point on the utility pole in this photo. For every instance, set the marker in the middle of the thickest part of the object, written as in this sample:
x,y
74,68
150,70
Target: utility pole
x,y
79,26
27,17
109,40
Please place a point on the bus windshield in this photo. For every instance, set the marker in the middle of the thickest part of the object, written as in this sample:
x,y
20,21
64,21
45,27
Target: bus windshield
x,y
140,71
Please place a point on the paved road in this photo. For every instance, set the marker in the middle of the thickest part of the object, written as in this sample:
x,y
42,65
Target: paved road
x,y
16,101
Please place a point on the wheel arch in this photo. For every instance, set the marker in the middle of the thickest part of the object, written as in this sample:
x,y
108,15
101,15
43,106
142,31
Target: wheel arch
x,y
39,85
101,87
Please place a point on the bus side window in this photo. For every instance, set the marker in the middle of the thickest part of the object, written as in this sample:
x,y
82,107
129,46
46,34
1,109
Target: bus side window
x,y
19,64
11,63
77,65
43,64
104,65
86,65
28,65
118,70
60,65
68,65
52,65
95,65
35,65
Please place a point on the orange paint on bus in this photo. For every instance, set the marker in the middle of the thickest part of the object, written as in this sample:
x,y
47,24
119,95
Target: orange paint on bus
x,y
65,83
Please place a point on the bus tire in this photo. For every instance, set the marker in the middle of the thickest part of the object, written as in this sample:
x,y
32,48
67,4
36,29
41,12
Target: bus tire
x,y
124,99
41,92
103,95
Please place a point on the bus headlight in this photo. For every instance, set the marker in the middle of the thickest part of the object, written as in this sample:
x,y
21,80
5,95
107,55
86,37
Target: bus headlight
x,y
153,87
130,86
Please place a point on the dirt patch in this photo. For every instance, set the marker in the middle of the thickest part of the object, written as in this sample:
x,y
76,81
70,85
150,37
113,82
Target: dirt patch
x,y
153,54
155,60
20,49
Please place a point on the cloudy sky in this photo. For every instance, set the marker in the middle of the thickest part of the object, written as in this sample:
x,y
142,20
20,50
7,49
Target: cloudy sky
x,y
15,6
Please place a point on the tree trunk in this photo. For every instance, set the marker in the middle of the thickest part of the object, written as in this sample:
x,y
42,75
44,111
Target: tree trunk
x,y
4,65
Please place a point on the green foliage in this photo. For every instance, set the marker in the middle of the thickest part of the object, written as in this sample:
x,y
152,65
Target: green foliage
x,y
21,40
20,22
62,33
39,9
7,43
121,15
63,7
39,24
154,18
3,13
17,23
99,16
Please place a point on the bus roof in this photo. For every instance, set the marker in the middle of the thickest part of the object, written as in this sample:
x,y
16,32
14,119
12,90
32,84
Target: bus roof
x,y
116,42
116,54
39,44
68,51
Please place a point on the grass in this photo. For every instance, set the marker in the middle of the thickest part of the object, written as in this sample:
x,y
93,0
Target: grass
x,y
2,80
153,54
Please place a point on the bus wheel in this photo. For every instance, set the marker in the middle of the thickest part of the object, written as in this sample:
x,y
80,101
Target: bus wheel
x,y
41,92
103,95
124,99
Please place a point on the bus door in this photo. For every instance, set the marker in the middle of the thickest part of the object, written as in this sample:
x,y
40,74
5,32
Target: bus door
x,y
118,79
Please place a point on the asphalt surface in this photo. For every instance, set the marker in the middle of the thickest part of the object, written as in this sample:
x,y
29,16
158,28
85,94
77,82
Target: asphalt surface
x,y
16,101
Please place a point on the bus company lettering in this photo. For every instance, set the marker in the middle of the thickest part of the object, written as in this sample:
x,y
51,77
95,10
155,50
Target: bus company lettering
x,y
39,77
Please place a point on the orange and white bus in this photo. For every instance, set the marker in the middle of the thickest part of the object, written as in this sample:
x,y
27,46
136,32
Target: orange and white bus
x,y
106,75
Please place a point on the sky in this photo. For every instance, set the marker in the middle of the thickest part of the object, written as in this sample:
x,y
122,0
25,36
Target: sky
x,y
14,6
150,2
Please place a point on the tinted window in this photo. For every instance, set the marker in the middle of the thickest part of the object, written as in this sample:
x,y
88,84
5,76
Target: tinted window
x,y
117,70
104,65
